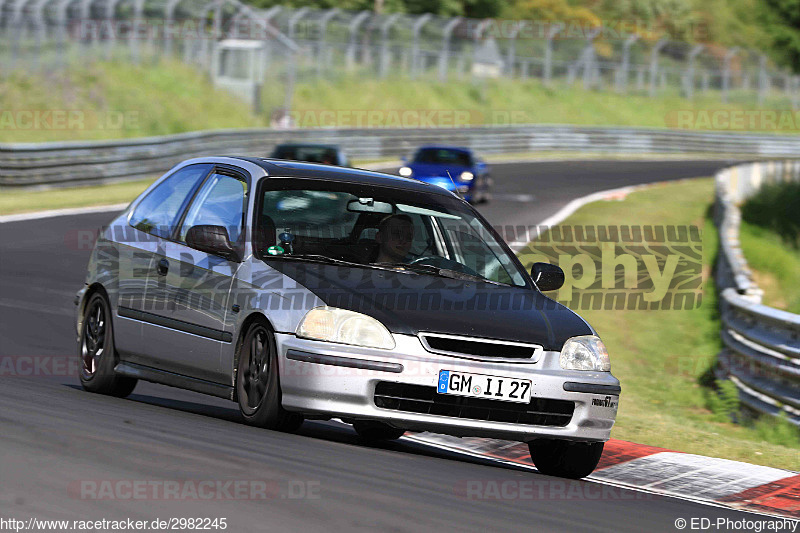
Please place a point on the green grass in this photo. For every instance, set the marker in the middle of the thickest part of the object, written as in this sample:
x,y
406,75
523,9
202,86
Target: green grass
x,y
116,100
662,357
775,265
22,201
770,238
111,100
498,101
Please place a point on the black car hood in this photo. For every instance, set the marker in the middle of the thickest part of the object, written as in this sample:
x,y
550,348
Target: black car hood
x,y
409,303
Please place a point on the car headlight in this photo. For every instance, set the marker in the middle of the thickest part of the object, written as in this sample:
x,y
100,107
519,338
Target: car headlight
x,y
347,327
586,352
405,172
467,176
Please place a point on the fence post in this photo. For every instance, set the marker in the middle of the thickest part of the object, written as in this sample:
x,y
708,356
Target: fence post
x,y
416,29
39,22
111,16
589,58
385,27
323,29
624,68
726,72
688,80
294,19
554,30
138,7
169,12
18,26
61,17
654,64
352,28
763,79
512,48
445,54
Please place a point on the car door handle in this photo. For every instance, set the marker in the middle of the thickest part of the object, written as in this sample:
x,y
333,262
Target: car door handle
x,y
163,267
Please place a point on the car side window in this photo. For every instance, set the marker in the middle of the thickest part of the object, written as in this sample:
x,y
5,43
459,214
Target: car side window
x,y
220,202
158,212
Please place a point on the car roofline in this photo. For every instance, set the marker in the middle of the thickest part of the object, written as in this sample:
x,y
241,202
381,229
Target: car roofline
x,y
281,168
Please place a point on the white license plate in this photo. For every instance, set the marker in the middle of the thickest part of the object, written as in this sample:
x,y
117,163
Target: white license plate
x,y
482,386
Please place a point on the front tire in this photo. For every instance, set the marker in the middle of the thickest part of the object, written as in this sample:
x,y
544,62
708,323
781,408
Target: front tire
x,y
373,432
563,458
257,384
96,351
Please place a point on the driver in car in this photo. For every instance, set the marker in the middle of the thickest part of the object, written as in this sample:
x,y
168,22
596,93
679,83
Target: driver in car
x,y
395,236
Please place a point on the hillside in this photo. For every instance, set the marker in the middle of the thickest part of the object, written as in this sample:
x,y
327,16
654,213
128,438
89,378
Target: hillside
x,y
111,101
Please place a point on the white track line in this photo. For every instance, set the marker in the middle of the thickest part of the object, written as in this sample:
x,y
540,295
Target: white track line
x,y
62,212
596,478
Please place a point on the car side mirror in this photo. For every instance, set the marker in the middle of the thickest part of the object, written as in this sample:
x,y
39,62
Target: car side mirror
x,y
404,159
212,240
547,277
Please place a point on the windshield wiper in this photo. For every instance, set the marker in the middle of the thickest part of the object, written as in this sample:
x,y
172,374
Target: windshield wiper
x,y
442,272
319,258
393,267
316,257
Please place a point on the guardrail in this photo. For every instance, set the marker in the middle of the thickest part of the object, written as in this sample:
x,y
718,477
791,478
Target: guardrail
x,y
82,162
762,344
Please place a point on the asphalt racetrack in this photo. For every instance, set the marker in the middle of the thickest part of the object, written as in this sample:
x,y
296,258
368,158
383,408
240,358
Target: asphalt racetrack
x,y
59,444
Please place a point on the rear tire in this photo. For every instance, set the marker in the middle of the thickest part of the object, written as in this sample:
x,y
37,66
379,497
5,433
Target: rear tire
x,y
96,351
370,431
563,458
257,384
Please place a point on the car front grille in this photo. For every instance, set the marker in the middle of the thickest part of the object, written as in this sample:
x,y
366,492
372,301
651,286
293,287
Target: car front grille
x,y
453,345
425,400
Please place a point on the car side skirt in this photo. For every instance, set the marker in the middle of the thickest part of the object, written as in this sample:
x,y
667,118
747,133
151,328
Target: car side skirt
x,y
171,379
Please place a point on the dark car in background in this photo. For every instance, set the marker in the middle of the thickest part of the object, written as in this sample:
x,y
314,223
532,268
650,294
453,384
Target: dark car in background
x,y
327,154
453,168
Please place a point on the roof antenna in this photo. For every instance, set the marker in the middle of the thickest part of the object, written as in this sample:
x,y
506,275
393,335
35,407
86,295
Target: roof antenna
x,y
454,184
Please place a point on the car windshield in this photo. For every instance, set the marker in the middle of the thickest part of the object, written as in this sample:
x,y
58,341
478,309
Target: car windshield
x,y
378,227
443,156
309,153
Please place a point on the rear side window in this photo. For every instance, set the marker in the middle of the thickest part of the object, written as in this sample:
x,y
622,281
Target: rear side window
x,y
221,202
158,212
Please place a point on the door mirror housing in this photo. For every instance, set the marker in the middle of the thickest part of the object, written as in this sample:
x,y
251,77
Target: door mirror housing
x,y
547,277
212,240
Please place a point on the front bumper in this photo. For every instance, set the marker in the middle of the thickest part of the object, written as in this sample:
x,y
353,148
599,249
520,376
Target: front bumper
x,y
336,380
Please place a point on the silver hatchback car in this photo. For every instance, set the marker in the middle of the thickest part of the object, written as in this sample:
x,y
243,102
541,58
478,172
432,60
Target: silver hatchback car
x,y
306,291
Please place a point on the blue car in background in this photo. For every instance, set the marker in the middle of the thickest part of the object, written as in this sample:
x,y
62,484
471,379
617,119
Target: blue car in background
x,y
452,168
